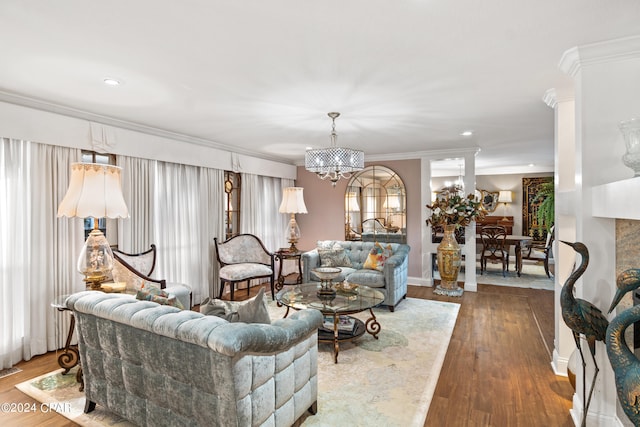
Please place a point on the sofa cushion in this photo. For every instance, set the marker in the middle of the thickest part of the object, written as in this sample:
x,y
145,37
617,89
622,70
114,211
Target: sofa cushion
x,y
158,295
253,310
367,277
377,257
238,272
334,257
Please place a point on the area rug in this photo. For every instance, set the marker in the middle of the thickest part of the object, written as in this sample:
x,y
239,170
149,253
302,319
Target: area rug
x,y
9,371
533,276
384,382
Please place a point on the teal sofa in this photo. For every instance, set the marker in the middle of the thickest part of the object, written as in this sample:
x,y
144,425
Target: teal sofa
x,y
158,365
391,280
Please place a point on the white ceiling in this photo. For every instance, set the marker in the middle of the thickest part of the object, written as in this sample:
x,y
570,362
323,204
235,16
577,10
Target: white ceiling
x,y
260,76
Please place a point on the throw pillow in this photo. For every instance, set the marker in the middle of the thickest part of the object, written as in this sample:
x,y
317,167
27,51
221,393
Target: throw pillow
x,y
253,310
334,257
159,296
326,244
377,257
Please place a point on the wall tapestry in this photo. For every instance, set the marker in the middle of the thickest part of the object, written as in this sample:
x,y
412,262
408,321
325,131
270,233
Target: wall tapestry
x,y
530,226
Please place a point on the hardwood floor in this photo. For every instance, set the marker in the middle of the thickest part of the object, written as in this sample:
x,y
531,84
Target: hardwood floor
x,y
497,371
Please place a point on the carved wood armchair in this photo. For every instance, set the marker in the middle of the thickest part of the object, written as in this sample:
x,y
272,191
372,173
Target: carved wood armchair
x,y
244,258
135,270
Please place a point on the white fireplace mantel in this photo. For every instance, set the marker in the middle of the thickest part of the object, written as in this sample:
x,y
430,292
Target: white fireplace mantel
x,y
618,199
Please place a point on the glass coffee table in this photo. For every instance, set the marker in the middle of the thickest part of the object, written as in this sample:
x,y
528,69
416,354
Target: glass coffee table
x,y
339,325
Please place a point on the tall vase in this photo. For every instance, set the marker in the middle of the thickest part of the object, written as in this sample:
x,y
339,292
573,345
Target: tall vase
x,y
449,262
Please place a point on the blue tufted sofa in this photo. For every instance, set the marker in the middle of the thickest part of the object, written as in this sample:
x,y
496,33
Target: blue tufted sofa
x,y
158,365
391,281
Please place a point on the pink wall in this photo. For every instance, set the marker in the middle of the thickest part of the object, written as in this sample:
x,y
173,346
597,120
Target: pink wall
x,y
326,217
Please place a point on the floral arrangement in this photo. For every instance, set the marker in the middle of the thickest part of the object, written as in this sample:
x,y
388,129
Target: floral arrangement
x,y
455,210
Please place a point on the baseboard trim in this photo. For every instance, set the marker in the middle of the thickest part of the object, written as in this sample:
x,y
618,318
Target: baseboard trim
x,y
420,281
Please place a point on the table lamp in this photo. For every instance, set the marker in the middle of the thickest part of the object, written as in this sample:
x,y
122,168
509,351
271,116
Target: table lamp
x,y
292,203
504,197
94,191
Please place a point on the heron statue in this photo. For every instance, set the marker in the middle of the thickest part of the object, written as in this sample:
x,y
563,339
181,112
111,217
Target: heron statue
x,y
583,318
627,281
626,366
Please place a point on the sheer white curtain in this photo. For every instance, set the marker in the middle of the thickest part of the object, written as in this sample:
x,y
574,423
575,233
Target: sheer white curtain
x,y
189,207
135,234
260,199
38,252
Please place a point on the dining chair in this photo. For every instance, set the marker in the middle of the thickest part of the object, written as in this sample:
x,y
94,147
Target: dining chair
x,y
541,252
493,247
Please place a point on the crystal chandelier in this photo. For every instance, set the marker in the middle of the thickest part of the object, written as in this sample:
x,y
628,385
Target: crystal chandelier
x,y
334,162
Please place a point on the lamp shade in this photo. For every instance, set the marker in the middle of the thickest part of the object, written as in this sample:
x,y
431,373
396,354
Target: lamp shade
x,y
505,197
292,201
94,191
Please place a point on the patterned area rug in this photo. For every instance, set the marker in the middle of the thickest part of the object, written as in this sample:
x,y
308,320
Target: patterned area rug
x,y
9,371
384,382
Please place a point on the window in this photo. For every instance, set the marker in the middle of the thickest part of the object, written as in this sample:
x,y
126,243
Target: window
x,y
232,204
93,157
103,159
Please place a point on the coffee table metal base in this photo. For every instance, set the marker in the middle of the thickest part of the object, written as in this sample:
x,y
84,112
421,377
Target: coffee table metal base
x,y
337,336
340,303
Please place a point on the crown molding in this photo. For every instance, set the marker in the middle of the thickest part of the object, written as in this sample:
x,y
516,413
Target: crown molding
x,y
550,98
132,126
574,59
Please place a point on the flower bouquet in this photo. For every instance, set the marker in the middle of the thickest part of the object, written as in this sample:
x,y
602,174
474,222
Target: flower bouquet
x,y
455,210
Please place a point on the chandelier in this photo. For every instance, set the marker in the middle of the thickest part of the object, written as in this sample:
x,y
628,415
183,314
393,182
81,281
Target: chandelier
x,y
334,162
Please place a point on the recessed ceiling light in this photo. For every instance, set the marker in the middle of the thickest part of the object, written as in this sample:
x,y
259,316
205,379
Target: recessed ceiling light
x,y
467,133
531,165
111,81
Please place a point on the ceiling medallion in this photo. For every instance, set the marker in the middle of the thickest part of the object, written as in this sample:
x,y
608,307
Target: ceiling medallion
x,y
334,162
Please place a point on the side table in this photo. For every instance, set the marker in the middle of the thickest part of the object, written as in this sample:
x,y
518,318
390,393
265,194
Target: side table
x,y
284,254
70,357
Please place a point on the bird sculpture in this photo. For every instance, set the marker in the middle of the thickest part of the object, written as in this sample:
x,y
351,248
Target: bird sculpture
x,y
583,318
627,281
626,366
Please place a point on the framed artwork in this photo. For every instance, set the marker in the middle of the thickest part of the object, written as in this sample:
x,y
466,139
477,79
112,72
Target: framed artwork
x,y
530,226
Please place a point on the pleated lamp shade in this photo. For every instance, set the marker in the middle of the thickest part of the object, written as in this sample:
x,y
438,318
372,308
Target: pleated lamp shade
x,y
94,191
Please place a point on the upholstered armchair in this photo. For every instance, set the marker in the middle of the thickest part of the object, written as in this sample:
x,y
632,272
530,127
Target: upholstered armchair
x,y
243,258
135,271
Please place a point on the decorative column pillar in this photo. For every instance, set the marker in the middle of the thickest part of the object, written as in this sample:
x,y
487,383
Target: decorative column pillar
x,y
565,221
607,91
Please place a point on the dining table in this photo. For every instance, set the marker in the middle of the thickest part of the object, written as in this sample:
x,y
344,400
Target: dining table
x,y
518,243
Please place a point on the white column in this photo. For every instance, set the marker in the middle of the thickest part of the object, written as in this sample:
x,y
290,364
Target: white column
x,y
429,248
565,221
607,91
469,250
